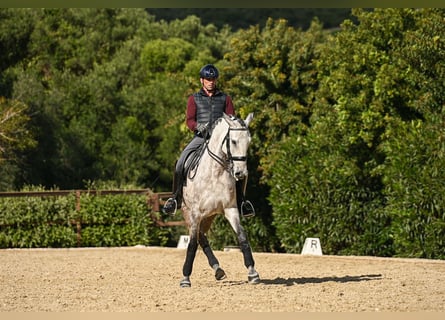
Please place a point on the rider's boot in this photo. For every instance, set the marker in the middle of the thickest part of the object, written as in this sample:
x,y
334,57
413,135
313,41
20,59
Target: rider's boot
x,y
173,203
245,207
170,206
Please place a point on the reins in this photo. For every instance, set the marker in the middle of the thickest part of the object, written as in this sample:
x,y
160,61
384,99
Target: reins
x,y
224,163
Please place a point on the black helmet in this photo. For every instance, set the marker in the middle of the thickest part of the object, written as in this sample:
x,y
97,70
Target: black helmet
x,y
209,71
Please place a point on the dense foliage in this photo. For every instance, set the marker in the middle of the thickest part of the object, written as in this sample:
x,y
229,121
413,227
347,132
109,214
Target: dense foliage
x,y
366,177
348,138
243,18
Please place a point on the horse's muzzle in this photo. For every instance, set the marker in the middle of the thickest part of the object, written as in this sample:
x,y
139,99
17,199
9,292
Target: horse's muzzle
x,y
239,175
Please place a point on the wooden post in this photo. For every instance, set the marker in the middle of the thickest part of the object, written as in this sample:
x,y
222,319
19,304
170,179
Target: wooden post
x,y
78,222
155,202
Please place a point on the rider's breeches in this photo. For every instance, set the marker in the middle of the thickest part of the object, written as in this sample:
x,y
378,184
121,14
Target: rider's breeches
x,y
193,145
188,150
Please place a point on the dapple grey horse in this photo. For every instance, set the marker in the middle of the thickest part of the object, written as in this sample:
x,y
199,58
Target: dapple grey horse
x,y
211,190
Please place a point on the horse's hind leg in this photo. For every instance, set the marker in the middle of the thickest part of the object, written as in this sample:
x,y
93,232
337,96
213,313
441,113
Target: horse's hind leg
x,y
189,259
213,261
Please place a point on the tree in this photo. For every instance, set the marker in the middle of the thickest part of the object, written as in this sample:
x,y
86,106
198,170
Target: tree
x,y
15,137
415,149
340,185
80,67
15,30
337,187
14,131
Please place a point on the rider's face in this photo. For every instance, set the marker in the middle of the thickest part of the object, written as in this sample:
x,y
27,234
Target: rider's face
x,y
209,84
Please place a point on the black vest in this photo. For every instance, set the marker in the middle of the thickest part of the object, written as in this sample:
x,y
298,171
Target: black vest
x,y
208,109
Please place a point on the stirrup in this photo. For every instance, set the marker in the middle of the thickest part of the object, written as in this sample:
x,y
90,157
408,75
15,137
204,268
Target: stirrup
x,y
247,209
170,206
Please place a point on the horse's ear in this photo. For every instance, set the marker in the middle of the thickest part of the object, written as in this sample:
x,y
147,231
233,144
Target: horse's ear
x,y
249,118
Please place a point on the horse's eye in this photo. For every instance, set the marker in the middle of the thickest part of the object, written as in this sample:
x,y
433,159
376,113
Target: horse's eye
x,y
234,142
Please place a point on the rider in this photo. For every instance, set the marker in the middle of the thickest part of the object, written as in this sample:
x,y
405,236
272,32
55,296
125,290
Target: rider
x,y
203,108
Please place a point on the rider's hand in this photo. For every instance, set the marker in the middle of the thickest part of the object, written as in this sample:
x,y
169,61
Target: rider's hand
x,y
201,128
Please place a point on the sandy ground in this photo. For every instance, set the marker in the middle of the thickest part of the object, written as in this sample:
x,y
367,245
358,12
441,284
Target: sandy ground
x,y
146,279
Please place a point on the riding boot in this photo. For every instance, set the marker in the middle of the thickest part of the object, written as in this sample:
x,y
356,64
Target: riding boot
x,y
179,197
245,207
174,203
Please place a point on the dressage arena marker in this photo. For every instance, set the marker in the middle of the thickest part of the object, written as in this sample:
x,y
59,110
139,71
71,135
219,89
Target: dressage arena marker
x,y
312,246
232,248
183,242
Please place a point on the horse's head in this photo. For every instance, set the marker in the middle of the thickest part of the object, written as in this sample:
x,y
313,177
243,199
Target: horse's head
x,y
234,136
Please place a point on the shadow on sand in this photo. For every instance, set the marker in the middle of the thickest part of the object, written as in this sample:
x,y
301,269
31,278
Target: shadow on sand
x,y
303,280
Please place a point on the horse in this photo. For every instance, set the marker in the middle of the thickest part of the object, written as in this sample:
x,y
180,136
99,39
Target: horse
x,y
211,190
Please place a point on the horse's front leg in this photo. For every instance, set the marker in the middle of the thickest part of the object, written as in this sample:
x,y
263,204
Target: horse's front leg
x,y
232,215
189,259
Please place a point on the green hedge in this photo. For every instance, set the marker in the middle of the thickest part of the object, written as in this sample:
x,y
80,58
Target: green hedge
x,y
53,221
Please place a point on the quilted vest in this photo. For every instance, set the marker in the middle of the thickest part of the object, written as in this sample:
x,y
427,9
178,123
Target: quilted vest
x,y
208,109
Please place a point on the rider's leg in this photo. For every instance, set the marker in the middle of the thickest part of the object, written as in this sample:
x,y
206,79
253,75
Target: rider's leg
x,y
171,204
174,203
245,207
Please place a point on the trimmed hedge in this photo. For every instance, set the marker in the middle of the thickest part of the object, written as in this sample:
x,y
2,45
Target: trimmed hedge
x,y
103,220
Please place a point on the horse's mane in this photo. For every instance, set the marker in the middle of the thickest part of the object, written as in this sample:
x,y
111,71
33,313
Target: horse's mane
x,y
231,117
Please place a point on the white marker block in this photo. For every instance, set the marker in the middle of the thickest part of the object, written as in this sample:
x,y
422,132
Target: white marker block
x,y
183,242
312,246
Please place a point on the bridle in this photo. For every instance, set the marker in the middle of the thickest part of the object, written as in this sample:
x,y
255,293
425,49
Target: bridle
x,y
228,162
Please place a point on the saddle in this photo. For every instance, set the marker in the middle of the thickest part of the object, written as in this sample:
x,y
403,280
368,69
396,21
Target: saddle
x,y
191,164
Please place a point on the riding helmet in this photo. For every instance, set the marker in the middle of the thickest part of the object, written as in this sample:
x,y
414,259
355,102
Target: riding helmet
x,y
209,71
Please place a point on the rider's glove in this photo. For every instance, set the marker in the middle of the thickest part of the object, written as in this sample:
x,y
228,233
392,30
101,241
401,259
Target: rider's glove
x,y
202,129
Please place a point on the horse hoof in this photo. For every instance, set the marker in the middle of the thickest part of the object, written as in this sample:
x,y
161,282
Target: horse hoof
x,y
185,283
254,278
220,274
